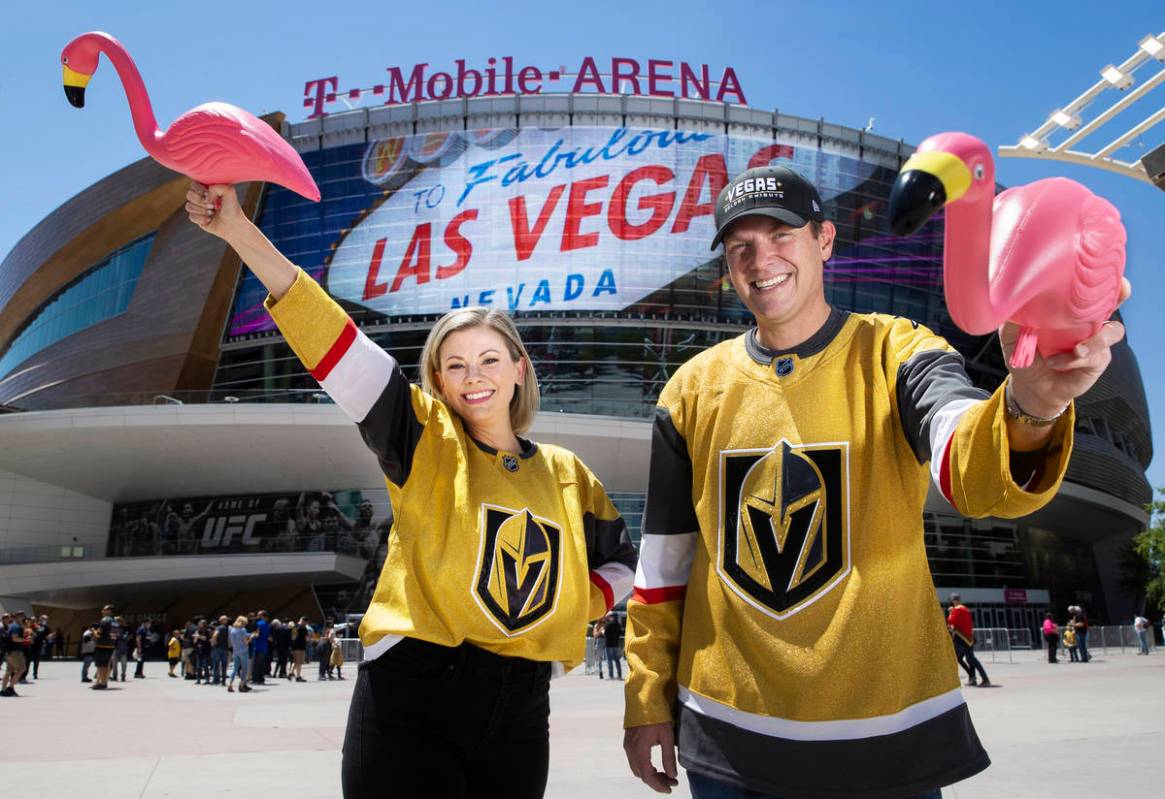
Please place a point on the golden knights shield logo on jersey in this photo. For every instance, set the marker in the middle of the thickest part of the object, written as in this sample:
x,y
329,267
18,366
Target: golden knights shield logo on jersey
x,y
517,582
784,516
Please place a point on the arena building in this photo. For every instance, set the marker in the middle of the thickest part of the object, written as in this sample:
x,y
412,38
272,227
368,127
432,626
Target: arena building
x,y
167,452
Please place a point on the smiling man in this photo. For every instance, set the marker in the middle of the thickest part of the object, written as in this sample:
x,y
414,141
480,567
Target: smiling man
x,y
789,469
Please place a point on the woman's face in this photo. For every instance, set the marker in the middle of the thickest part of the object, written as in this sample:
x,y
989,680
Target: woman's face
x,y
477,375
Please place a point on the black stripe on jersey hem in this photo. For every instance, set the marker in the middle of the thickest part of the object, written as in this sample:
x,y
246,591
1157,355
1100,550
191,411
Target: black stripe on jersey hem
x,y
529,448
391,429
668,509
926,382
930,755
810,346
608,542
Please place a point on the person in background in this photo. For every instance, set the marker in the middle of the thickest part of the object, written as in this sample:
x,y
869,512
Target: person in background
x,y
1070,643
1141,625
1051,636
613,636
336,661
324,651
1079,620
121,648
298,649
239,640
87,648
220,650
260,648
174,650
13,648
142,636
40,645
599,642
106,642
959,622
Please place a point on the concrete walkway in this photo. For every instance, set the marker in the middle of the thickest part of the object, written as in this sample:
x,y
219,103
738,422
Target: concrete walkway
x,y
1063,731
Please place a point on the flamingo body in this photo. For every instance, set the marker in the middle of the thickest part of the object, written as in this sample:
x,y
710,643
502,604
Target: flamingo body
x,y
1056,261
212,143
1048,256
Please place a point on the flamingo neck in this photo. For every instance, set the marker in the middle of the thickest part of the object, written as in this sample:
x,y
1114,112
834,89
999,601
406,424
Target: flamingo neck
x,y
144,123
966,257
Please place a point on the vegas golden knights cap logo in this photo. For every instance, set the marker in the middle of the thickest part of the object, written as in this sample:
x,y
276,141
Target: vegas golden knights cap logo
x,y
784,539
517,583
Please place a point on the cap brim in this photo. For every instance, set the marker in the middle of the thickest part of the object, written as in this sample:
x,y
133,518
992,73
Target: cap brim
x,y
779,214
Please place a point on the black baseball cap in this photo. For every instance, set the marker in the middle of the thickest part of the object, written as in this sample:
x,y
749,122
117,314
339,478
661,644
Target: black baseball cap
x,y
773,191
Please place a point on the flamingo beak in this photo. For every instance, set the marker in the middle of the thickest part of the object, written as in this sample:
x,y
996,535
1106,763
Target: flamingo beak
x,y
928,181
75,83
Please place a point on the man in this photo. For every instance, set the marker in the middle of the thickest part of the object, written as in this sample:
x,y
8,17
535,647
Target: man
x,y
220,654
143,642
784,520
613,633
960,624
40,642
104,643
13,645
1141,625
260,647
281,635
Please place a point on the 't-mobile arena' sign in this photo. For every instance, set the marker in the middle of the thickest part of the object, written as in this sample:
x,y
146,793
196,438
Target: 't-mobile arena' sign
x,y
655,78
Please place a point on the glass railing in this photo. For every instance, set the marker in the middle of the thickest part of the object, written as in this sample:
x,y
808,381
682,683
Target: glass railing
x,y
340,542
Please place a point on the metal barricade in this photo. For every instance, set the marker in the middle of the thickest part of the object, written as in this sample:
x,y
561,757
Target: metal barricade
x,y
352,649
997,640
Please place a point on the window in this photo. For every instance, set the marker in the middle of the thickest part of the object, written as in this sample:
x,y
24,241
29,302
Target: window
x,y
102,292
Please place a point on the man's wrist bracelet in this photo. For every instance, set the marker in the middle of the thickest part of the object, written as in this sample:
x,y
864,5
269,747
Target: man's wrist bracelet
x,y
1020,415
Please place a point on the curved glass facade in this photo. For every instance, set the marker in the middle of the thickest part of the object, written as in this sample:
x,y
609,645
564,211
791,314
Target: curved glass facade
x,y
102,292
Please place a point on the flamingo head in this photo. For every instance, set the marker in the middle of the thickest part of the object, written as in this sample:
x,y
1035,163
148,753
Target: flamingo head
x,y
79,62
944,169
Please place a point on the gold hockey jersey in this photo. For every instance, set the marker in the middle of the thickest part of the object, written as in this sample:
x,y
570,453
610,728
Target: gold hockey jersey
x,y
783,612
512,552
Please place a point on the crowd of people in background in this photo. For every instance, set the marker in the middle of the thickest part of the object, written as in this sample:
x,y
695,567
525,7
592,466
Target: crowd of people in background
x,y
250,649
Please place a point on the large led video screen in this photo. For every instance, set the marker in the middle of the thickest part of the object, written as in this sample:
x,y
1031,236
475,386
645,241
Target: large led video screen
x,y
569,219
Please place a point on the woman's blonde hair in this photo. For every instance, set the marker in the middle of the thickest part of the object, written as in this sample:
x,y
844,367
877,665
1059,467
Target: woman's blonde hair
x,y
524,404
241,621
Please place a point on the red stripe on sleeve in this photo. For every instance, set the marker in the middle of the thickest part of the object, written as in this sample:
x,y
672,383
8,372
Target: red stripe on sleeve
x,y
944,475
653,596
329,361
605,587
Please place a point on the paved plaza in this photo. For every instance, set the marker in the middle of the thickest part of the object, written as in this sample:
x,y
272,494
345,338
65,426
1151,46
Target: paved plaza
x,y
1063,731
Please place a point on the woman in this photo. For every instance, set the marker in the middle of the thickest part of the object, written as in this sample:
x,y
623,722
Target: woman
x,y
486,581
1052,636
298,650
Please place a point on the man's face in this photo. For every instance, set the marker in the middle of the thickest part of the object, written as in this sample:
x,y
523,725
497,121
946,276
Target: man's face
x,y
331,524
777,270
365,510
187,510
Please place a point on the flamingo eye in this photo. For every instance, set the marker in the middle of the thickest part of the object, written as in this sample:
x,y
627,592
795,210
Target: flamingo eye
x,y
980,171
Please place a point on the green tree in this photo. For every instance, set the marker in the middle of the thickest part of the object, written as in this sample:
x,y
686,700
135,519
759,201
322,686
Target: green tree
x,y
1150,548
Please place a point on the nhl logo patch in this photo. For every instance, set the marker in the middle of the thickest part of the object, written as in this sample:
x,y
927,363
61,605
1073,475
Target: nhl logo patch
x,y
783,367
510,462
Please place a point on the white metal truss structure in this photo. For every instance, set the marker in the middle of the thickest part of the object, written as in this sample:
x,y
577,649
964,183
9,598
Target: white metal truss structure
x,y
1119,79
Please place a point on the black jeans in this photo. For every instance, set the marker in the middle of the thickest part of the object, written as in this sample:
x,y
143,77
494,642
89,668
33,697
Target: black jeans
x,y
967,659
1053,640
434,721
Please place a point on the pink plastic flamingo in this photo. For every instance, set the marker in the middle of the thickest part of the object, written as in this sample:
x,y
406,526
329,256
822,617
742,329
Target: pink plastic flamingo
x,y
1049,256
212,143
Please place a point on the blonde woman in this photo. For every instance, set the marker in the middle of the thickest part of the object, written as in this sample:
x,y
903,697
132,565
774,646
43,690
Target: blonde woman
x,y
502,549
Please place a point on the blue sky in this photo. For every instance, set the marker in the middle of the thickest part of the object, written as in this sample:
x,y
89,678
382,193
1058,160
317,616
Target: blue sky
x,y
995,69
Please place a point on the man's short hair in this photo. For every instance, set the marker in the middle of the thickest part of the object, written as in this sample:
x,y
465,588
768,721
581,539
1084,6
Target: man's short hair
x,y
955,598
